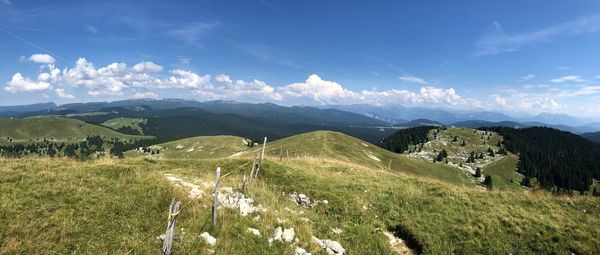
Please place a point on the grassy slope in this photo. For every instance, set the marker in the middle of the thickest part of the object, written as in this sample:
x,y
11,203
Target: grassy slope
x,y
133,123
334,145
503,172
201,147
321,144
54,128
110,206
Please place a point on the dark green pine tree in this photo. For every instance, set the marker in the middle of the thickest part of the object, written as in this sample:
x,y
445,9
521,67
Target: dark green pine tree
x,y
488,182
478,172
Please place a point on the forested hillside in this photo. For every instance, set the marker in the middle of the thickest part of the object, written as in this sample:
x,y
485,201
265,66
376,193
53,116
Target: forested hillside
x,y
594,137
399,141
558,160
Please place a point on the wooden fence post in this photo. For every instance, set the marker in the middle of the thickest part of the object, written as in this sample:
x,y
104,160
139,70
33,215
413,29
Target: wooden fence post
x,y
280,154
262,154
256,173
244,183
216,198
253,167
170,233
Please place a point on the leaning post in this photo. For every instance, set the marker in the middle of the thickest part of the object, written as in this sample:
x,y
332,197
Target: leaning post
x,y
216,198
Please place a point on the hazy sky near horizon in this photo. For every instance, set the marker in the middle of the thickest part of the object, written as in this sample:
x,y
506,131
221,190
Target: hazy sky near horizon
x,y
508,56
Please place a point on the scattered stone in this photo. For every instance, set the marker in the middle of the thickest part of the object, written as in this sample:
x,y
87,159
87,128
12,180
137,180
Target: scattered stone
x,y
210,240
301,199
337,230
254,231
257,218
280,221
238,201
304,201
277,235
195,190
398,245
288,235
331,247
300,251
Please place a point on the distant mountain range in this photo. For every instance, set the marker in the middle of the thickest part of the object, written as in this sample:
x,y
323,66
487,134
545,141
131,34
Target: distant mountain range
x,y
170,119
399,115
334,117
594,136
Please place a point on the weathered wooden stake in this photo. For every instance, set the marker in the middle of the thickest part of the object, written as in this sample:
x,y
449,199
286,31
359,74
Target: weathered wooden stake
x,y
253,167
216,198
244,183
256,173
262,154
170,233
280,154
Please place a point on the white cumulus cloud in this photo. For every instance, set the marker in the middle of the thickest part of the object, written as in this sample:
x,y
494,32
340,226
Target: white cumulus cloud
x,y
41,59
318,90
62,94
19,83
147,67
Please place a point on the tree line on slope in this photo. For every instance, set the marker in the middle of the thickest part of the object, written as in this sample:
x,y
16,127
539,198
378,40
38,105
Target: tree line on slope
x,y
558,160
400,141
91,145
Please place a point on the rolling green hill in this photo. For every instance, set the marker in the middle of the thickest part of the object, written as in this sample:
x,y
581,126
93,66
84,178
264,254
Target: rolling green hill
x,y
338,146
316,145
133,124
466,150
65,207
202,147
56,129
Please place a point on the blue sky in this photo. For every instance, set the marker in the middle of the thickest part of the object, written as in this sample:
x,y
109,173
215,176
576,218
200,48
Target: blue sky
x,y
518,57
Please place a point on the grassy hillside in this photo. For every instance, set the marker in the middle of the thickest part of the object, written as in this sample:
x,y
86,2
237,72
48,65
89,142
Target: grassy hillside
x,y
54,129
459,148
113,206
335,145
132,123
317,144
202,147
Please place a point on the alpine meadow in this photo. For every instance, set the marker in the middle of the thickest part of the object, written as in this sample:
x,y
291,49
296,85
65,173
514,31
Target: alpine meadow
x,y
301,128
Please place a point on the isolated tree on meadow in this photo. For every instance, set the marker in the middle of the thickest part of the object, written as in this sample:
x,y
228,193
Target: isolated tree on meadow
x,y
488,182
478,172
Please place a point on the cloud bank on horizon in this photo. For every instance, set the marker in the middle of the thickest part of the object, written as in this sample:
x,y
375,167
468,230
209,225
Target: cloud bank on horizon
x,y
147,80
519,64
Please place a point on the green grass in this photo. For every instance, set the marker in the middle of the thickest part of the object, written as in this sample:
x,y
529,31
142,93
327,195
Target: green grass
x,y
133,123
335,145
503,172
56,129
202,147
110,206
